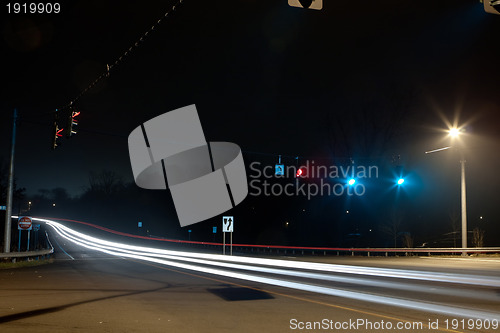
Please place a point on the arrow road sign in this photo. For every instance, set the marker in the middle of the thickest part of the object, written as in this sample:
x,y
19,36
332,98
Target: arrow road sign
x,y
227,224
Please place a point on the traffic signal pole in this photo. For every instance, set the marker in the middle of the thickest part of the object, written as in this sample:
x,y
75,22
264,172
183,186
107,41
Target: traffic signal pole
x,y
10,189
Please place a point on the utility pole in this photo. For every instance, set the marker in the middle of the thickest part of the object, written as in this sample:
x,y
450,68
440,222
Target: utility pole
x,y
10,189
464,204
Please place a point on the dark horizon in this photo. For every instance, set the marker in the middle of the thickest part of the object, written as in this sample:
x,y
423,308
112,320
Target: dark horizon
x,y
377,82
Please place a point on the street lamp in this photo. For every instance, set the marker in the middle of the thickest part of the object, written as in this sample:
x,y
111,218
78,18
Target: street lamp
x,y
454,133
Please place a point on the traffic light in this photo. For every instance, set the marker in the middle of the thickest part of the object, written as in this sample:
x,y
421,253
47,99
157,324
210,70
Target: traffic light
x,y
491,6
57,135
72,123
300,172
398,173
310,4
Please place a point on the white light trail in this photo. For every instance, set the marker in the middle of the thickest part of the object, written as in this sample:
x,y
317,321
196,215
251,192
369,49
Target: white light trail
x,y
344,269
161,257
325,277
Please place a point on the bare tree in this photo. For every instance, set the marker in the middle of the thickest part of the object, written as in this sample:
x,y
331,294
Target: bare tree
x,y
368,126
455,226
407,240
392,226
106,182
18,193
478,237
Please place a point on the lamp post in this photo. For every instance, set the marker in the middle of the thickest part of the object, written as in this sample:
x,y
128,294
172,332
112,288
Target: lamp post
x,y
454,133
464,204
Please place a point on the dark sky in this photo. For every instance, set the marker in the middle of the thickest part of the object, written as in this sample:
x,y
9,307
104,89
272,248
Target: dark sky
x,y
271,78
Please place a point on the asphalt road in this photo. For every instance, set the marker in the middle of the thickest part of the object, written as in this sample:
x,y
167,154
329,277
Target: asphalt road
x,y
87,290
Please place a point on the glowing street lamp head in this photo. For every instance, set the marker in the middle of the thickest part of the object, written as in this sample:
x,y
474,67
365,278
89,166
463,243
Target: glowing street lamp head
x,y
401,181
454,132
351,181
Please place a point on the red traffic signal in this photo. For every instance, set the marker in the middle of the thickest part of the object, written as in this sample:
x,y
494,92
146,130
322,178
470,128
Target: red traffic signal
x,y
299,173
57,134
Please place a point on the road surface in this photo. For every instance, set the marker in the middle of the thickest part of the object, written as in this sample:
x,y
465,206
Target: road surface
x,y
85,289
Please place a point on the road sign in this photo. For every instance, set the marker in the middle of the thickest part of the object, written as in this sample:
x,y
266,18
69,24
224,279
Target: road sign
x,y
3,207
227,224
279,170
24,223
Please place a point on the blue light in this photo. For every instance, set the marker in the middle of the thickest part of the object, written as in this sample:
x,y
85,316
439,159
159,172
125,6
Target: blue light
x,y
401,181
351,181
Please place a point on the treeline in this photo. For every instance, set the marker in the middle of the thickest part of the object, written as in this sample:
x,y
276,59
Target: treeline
x,y
110,202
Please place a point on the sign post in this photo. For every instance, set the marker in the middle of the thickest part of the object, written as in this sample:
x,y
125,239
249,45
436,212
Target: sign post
x,y
279,169
36,228
227,226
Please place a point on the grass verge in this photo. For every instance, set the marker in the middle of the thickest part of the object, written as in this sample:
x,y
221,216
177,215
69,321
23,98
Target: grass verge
x,y
24,263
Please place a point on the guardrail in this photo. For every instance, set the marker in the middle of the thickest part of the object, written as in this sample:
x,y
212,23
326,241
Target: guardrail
x,y
29,254
296,250
306,250
26,254
362,251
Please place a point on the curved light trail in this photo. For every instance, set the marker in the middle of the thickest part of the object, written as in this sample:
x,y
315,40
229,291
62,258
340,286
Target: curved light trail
x,y
212,264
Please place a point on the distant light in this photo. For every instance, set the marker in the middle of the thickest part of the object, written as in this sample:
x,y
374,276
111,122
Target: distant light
x,y
351,181
480,217
299,173
454,132
53,205
347,212
401,181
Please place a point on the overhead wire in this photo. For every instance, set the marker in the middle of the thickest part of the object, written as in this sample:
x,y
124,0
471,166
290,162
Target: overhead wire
x,y
127,52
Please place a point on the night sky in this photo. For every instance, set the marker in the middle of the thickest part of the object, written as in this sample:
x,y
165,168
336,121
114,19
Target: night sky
x,y
375,82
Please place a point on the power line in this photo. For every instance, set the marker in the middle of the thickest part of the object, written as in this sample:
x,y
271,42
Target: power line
x,y
127,52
